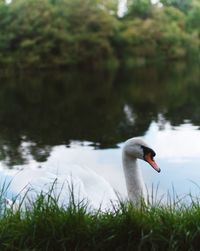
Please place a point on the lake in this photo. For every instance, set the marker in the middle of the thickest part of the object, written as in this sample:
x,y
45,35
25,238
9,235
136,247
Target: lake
x,y
73,124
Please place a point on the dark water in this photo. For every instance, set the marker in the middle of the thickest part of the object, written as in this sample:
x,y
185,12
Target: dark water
x,y
96,110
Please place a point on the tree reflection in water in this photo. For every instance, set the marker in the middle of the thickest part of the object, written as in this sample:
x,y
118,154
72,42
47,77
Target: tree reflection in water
x,y
44,109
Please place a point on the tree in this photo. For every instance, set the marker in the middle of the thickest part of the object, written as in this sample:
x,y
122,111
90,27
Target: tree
x,y
193,18
183,5
56,33
139,8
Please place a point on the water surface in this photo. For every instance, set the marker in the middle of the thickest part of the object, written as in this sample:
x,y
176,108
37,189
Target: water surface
x,y
75,123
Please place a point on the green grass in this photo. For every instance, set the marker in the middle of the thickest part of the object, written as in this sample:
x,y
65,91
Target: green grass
x,y
43,225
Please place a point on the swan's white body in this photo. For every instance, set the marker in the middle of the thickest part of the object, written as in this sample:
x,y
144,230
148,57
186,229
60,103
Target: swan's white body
x,y
84,183
134,149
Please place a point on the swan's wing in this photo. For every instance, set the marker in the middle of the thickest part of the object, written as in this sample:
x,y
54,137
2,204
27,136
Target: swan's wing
x,y
84,182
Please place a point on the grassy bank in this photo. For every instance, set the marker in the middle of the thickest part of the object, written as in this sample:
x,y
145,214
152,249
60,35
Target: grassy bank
x,y
43,225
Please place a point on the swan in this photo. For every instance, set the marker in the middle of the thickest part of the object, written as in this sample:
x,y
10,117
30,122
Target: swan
x,y
136,148
87,183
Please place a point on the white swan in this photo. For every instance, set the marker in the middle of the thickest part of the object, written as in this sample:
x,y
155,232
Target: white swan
x,y
87,183
136,148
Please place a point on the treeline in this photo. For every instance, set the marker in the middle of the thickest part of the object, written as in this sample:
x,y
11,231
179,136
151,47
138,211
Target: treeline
x,y
58,33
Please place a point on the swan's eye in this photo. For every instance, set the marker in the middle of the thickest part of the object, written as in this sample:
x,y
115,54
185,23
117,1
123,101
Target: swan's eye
x,y
148,151
153,153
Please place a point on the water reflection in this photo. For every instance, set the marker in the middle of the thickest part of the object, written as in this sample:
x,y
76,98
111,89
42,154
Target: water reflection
x,y
63,122
105,108
100,172
178,153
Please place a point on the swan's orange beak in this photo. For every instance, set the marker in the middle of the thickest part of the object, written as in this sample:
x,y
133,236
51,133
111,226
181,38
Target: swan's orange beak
x,y
148,157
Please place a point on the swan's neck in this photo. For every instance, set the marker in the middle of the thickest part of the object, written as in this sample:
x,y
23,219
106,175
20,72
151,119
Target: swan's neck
x,y
134,180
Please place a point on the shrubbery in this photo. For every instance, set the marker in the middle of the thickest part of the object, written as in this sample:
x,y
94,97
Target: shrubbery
x,y
57,33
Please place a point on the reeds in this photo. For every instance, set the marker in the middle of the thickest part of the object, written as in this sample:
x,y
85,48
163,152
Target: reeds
x,y
43,224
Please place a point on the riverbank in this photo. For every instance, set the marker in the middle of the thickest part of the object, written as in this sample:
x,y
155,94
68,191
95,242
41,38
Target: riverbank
x,y
43,225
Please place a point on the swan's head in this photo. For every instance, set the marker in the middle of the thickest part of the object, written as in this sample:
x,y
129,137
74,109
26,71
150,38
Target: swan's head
x,y
138,149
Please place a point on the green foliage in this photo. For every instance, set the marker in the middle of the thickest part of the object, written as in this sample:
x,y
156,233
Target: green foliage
x,y
164,34
59,33
193,18
55,33
183,5
43,225
140,8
